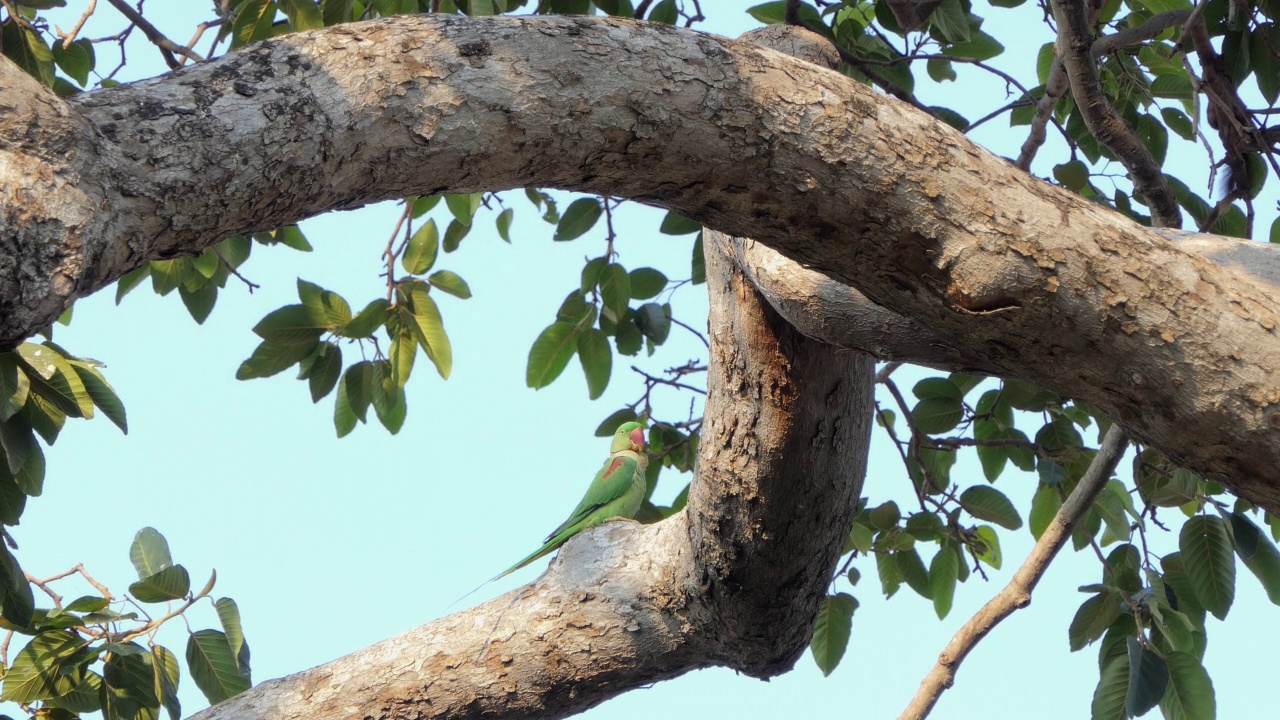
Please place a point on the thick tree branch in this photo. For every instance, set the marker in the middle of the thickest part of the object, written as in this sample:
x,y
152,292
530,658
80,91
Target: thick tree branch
x,y
1017,594
998,265
1075,49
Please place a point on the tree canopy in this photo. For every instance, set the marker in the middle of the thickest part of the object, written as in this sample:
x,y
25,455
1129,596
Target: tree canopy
x,y
1065,325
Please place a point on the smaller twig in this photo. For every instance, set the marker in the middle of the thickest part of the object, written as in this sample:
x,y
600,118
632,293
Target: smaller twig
x,y
888,369
70,37
199,34
1017,594
57,599
167,47
653,380
128,635
697,334
251,285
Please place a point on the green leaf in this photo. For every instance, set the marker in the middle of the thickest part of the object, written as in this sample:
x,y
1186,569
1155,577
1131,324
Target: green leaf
x,y
1148,678
85,697
149,552
213,666
1190,693
937,415
578,218
951,21
325,371
912,570
646,283
503,224
596,356
1092,619
1109,696
463,206
293,324
302,14
271,358
550,354
103,395
26,48
229,617
17,604
422,250
1263,560
450,282
1073,175
831,631
14,386
429,328
76,59
990,551
664,12
859,539
253,21
980,46
38,667
328,309
615,290
454,234
940,70
167,674
943,572
699,263
130,678
199,302
673,223
368,321
1209,563
890,577
170,583
987,503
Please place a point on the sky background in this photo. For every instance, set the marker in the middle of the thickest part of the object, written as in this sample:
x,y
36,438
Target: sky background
x,y
329,545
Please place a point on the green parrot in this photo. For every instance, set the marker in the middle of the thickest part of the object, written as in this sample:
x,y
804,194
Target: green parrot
x,y
617,491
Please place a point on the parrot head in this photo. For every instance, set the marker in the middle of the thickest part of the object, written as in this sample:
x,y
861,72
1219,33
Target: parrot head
x,y
629,436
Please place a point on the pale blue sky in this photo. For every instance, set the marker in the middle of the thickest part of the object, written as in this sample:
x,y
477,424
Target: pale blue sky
x,y
330,545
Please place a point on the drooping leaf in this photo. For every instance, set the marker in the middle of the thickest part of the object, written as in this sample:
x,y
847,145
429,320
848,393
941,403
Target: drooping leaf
x,y
1263,560
450,282
424,246
1109,696
550,353
578,218
429,328
1148,678
1092,619
229,617
937,415
911,568
167,675
646,283
36,671
943,573
596,356
213,666
1209,563
325,371
831,631
368,320
1190,694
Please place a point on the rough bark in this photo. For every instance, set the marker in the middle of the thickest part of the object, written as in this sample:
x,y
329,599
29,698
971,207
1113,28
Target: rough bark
x,y
1009,271
734,580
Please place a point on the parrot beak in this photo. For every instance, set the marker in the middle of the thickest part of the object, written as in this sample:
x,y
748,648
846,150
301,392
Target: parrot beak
x,y
637,440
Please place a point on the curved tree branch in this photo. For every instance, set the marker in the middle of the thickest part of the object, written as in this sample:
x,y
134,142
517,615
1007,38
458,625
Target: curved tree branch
x,y
1075,49
873,194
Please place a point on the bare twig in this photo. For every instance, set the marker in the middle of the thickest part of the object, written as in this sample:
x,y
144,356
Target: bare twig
x,y
167,47
251,285
70,37
1017,594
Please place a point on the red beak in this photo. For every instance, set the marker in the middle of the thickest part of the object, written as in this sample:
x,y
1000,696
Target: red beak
x,y
637,439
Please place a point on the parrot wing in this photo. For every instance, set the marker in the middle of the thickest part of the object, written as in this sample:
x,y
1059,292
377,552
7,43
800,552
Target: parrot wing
x,y
609,484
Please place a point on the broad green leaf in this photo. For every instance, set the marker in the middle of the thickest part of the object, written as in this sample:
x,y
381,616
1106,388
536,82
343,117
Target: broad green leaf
x,y
1113,685
951,22
454,234
26,48
578,218
76,59
14,386
103,395
429,327
37,669
831,630
664,12
1148,678
885,516
149,552
940,70
673,223
912,570
424,246
1209,563
200,302
1111,508
1190,693
131,677
463,206
302,14
229,617
980,46
17,442
325,371
1073,175
503,224
272,357
167,676
990,554
213,666
292,324
987,503
450,282
937,415
253,21
171,583
890,578
596,357
17,604
937,387
328,309
389,400
85,697
646,283
368,321
859,539
943,572
615,291
550,354
1092,619
1263,560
